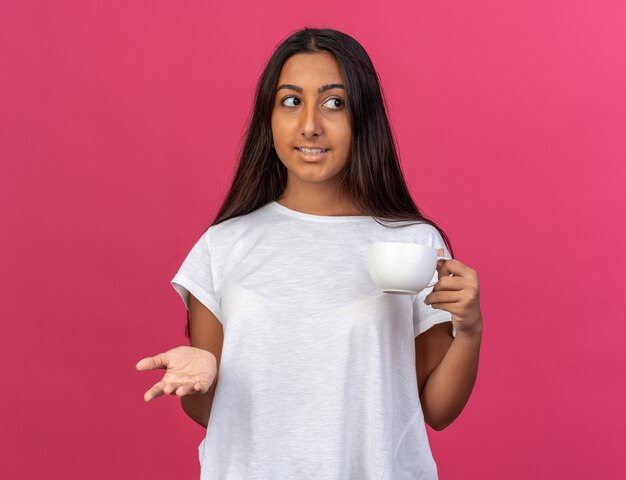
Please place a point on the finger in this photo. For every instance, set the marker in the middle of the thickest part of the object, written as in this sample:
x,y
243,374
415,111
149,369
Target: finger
x,y
445,296
185,390
450,283
171,387
150,363
452,308
440,253
202,386
454,267
154,392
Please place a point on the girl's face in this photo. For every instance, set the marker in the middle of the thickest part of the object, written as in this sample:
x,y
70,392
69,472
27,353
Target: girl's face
x,y
310,111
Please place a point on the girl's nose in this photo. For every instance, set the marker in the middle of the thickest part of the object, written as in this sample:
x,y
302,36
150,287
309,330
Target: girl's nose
x,y
310,122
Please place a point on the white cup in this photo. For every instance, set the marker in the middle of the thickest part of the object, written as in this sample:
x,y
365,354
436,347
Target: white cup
x,y
404,268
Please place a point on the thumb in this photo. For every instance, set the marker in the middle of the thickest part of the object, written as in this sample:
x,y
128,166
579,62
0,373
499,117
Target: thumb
x,y
150,363
440,253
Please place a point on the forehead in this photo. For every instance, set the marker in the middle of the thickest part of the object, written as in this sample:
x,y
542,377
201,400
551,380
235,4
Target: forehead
x,y
311,70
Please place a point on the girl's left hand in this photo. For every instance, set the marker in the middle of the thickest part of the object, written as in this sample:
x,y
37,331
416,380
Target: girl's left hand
x,y
458,294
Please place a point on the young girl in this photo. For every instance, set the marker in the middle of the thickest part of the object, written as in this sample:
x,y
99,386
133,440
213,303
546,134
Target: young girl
x,y
299,366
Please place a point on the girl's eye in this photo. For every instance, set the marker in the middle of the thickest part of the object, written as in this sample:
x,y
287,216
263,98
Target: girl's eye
x,y
334,103
335,106
290,98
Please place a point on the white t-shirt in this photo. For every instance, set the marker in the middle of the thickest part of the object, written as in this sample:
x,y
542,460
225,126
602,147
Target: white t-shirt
x,y
317,375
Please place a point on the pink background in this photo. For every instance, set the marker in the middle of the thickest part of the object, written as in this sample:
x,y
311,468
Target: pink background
x,y
119,127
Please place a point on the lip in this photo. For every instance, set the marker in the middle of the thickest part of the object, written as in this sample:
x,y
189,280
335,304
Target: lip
x,y
313,158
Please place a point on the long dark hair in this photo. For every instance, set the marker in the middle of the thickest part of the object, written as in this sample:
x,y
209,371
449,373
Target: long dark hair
x,y
373,175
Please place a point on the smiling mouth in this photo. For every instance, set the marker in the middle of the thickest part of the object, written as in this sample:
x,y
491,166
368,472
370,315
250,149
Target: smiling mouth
x,y
311,151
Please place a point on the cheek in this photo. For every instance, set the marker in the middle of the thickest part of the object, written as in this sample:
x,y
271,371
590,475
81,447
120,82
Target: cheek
x,y
346,138
345,131
280,130
276,123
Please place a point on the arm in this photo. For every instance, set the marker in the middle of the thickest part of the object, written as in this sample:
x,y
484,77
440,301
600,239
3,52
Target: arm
x,y
446,372
451,362
205,332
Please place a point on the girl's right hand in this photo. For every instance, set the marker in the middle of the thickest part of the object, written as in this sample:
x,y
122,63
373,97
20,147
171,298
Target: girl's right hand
x,y
189,371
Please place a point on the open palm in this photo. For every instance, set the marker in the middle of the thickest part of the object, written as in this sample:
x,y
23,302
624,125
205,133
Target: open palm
x,y
189,370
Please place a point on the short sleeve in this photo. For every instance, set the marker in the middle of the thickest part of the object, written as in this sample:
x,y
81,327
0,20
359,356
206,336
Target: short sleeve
x,y
425,316
196,276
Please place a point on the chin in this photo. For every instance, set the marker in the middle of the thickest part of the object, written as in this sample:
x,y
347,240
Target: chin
x,y
313,176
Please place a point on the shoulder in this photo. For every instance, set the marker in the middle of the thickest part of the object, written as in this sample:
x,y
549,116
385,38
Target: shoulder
x,y
432,236
426,229
425,233
242,229
241,223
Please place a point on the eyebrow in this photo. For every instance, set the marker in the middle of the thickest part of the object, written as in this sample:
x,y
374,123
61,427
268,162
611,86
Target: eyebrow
x,y
321,89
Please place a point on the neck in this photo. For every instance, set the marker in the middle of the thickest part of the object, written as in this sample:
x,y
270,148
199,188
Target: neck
x,y
319,201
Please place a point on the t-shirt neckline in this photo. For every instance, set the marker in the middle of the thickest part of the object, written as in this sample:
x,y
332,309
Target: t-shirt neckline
x,y
317,218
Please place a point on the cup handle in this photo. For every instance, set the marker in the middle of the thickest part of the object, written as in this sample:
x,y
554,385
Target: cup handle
x,y
432,284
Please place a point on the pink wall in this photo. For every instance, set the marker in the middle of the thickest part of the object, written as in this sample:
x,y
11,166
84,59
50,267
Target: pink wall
x,y
119,125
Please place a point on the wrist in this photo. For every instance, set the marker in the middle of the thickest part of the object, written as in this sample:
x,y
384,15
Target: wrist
x,y
473,335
